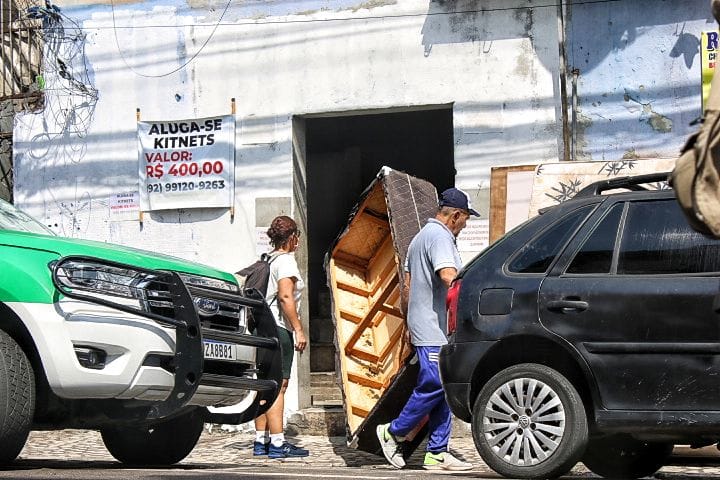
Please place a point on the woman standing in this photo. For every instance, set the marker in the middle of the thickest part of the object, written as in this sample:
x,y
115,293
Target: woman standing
x,y
283,297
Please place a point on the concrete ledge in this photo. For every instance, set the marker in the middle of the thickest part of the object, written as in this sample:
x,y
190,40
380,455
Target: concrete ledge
x,y
325,421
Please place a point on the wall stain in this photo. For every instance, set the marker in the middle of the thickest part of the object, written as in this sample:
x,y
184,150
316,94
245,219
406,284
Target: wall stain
x,y
658,122
206,4
522,63
630,154
582,154
527,52
370,4
195,4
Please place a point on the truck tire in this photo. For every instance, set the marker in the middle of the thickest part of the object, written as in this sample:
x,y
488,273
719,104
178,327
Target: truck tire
x,y
162,443
17,398
529,422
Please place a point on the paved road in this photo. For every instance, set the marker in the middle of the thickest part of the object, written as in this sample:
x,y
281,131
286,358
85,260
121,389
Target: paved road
x,y
79,455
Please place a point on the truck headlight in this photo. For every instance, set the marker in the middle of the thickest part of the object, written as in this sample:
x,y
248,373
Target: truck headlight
x,y
104,280
148,292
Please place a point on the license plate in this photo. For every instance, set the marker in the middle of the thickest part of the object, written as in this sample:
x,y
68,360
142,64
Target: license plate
x,y
220,351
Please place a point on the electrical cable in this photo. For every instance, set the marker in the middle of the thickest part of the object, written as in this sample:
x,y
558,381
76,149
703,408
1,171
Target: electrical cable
x,y
283,22
377,17
202,47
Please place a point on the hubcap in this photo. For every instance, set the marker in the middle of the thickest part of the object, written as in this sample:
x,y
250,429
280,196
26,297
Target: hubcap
x,y
524,422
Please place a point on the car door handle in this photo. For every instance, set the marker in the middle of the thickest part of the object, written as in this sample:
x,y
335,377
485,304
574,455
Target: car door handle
x,y
567,306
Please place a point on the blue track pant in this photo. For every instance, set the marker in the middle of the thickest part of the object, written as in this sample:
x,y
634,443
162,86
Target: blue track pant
x,y
428,398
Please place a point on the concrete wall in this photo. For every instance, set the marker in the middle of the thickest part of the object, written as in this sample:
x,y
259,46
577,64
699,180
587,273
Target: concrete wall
x,y
496,68
638,82
496,62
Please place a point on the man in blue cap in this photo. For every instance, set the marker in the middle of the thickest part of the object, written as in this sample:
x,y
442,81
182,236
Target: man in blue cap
x,y
431,264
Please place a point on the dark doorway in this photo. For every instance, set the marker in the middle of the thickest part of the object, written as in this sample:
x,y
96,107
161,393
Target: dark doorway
x,y
343,156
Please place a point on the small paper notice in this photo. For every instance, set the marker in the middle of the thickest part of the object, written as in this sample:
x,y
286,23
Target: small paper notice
x,y
124,206
262,242
475,237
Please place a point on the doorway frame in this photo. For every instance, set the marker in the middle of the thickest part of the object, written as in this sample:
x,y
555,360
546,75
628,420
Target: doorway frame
x,y
300,212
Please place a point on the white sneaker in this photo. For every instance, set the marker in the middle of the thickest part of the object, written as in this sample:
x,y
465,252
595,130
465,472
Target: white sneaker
x,y
444,461
390,446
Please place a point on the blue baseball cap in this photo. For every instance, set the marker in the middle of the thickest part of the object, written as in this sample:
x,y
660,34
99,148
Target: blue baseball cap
x,y
456,198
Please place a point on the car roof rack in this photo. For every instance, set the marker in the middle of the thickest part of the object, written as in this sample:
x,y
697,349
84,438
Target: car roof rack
x,y
634,184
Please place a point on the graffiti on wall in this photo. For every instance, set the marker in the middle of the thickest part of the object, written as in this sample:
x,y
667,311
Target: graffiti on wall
x,y
557,182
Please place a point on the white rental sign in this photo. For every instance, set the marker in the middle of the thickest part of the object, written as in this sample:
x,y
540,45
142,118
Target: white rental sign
x,y
187,163
124,206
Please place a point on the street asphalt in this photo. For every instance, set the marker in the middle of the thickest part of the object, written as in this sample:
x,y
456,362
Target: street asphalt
x,y
218,449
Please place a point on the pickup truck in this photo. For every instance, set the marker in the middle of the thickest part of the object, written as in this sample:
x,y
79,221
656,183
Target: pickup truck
x,y
138,345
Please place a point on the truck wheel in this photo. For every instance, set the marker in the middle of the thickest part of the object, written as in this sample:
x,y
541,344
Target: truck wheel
x,y
158,444
17,398
621,456
529,422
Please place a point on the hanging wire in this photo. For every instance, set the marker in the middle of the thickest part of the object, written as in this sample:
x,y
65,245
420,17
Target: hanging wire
x,y
70,95
202,47
70,100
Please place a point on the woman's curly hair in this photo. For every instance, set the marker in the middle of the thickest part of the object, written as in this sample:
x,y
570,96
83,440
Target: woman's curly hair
x,y
281,229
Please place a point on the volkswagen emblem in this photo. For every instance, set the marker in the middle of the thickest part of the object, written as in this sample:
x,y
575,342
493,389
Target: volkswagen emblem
x,y
206,307
524,421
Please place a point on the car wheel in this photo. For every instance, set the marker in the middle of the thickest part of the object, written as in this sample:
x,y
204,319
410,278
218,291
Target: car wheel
x,y
159,444
621,456
529,422
17,398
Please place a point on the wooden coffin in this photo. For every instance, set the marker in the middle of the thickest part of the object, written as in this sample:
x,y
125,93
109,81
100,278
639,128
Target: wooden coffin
x,y
365,276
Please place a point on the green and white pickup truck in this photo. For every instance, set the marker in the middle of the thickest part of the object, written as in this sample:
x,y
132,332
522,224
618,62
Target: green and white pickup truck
x,y
138,345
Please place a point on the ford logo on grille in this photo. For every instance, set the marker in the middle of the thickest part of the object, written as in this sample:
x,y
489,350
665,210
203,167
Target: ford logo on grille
x,y
207,307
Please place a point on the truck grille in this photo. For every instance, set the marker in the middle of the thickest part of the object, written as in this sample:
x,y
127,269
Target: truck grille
x,y
214,314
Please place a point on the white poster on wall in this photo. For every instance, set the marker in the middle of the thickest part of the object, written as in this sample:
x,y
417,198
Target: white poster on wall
x,y
519,188
187,163
262,241
124,206
475,237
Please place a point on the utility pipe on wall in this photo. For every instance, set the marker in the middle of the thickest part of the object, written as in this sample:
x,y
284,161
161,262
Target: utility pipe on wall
x,y
573,126
565,154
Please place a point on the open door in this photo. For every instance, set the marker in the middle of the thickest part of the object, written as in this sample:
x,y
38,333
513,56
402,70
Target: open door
x,y
364,268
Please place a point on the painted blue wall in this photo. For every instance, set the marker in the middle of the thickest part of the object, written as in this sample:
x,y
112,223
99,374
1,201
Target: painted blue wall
x,y
638,75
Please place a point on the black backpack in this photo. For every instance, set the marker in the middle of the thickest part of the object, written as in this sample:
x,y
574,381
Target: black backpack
x,y
257,275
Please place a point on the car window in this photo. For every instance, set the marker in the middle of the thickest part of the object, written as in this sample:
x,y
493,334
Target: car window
x,y
539,253
658,240
12,218
595,256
